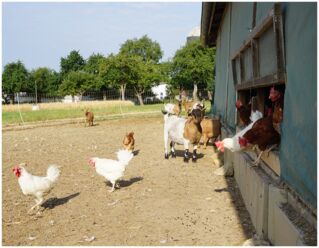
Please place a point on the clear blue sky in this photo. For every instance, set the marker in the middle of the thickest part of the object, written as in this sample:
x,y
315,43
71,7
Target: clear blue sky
x,y
39,34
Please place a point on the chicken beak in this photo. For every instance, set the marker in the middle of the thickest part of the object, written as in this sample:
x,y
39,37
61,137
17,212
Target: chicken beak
x,y
220,146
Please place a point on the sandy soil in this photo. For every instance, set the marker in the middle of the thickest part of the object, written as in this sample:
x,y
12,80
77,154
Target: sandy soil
x,y
160,202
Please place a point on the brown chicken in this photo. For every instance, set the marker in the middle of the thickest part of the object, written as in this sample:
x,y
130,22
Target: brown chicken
x,y
129,141
244,112
262,134
278,103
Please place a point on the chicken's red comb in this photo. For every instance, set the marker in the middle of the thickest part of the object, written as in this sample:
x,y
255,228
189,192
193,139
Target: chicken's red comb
x,y
238,104
273,92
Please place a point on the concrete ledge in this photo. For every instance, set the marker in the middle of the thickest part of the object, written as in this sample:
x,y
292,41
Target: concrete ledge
x,y
254,188
276,198
264,200
285,233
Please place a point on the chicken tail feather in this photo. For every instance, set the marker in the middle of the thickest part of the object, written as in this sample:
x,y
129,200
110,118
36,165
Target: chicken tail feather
x,y
124,156
53,173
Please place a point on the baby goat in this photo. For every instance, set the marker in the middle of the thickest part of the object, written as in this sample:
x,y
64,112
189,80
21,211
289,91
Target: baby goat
x,y
211,128
89,117
181,130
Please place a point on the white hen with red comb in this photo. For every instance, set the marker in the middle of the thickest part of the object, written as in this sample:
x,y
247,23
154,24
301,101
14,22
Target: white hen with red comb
x,y
112,170
36,185
233,143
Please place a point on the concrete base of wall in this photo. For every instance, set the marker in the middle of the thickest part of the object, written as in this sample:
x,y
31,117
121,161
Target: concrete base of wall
x,y
263,199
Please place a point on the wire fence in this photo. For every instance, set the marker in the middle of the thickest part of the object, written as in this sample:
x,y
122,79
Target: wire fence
x,y
148,97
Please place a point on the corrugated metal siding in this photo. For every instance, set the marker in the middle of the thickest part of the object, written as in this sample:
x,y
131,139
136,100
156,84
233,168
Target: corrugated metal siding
x,y
236,24
298,150
222,54
262,10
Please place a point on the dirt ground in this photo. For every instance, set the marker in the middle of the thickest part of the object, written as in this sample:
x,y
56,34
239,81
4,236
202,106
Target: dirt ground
x,y
160,202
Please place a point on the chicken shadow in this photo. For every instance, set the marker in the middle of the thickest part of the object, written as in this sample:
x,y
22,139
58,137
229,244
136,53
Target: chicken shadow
x,y
54,202
126,183
222,190
135,153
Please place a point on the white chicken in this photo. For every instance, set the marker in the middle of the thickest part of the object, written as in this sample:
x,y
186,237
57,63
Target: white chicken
x,y
233,143
36,185
112,170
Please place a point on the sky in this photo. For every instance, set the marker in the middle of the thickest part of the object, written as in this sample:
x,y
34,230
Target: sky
x,y
40,33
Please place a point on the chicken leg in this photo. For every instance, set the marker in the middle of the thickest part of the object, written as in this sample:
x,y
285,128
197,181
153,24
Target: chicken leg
x,y
37,205
256,162
270,148
113,187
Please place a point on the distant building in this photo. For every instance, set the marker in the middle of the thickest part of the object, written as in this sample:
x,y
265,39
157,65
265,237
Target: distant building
x,y
160,91
194,34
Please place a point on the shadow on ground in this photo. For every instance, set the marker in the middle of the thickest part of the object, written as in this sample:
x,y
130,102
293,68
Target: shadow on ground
x,y
54,202
126,183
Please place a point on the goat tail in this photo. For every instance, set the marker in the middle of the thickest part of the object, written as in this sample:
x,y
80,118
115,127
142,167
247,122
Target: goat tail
x,y
124,156
53,173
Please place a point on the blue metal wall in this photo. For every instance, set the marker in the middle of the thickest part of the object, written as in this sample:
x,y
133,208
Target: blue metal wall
x,y
298,149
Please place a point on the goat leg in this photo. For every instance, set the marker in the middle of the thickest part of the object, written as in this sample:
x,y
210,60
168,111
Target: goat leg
x,y
194,157
165,142
186,156
172,144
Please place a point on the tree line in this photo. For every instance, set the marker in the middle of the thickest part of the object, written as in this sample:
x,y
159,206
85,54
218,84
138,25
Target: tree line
x,y
136,66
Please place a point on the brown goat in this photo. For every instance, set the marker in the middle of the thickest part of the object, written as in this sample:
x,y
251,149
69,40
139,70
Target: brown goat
x,y
193,131
129,141
177,109
89,117
187,105
211,128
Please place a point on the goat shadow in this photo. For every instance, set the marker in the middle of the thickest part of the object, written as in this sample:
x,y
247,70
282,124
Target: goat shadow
x,y
94,124
180,153
54,202
126,183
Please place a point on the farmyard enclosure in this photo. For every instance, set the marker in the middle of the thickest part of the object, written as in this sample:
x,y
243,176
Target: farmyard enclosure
x,y
160,202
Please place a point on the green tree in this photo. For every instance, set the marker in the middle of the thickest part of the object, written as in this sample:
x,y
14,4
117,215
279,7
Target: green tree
x,y
44,81
144,47
73,62
145,53
15,78
149,74
76,83
193,67
93,63
92,66
119,71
